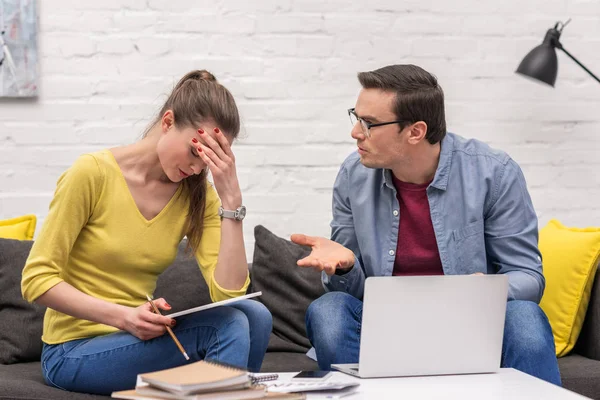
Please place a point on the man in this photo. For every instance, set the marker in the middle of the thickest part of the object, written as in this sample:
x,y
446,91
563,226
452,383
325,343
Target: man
x,y
416,200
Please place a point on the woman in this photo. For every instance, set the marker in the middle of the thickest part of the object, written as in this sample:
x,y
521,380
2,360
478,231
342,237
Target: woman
x,y
114,225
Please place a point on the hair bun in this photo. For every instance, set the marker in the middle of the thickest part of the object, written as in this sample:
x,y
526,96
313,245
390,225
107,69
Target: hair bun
x,y
201,75
196,75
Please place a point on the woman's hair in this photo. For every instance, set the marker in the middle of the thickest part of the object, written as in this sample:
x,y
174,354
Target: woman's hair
x,y
198,97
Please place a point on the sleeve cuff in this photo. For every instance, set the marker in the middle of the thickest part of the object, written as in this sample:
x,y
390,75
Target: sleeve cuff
x,y
218,293
343,282
31,294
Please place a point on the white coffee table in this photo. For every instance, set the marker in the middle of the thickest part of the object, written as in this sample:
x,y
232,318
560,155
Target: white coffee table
x,y
506,384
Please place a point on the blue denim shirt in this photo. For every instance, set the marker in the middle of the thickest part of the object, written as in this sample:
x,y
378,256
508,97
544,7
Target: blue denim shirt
x,y
480,208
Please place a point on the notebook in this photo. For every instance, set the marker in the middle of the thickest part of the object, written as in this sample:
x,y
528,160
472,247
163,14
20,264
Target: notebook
x,y
263,377
228,395
212,305
197,377
150,393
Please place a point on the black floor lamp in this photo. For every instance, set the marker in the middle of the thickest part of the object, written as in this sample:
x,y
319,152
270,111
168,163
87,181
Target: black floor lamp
x,y
541,62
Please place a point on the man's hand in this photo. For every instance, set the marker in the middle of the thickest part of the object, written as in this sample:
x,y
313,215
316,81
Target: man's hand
x,y
326,255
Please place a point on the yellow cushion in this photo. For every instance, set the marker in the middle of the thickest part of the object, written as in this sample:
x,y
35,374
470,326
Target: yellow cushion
x,y
20,228
570,258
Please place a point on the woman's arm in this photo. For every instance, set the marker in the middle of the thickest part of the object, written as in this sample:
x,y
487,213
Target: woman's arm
x,y
231,272
73,204
140,322
232,267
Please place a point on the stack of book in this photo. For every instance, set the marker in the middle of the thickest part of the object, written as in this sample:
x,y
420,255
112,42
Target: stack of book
x,y
198,381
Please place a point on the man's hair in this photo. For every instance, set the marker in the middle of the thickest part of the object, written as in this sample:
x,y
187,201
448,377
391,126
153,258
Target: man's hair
x,y
418,96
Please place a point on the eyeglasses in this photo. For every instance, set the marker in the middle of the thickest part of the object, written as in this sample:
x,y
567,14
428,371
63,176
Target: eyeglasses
x,y
366,126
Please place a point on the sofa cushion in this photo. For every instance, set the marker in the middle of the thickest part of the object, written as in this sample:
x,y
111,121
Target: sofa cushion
x,y
182,283
287,290
580,374
21,333
24,381
288,362
19,228
570,259
588,344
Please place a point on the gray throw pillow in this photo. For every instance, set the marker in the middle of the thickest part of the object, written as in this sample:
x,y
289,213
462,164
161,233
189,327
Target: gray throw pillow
x,y
21,332
182,283
287,290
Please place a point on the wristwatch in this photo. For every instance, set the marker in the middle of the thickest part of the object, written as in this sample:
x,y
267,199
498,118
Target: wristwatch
x,y
238,214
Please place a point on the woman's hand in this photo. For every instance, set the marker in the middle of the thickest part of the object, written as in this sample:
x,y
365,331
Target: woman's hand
x,y
215,151
144,324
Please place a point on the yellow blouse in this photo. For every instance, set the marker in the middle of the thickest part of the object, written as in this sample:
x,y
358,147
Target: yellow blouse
x,y
96,239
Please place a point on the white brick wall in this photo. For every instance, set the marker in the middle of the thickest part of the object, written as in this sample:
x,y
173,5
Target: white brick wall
x,y
107,65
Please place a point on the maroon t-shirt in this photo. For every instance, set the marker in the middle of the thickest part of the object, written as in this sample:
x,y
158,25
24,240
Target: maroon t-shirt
x,y
417,252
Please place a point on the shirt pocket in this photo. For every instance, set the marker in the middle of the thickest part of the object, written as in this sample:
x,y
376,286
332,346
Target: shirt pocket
x,y
469,243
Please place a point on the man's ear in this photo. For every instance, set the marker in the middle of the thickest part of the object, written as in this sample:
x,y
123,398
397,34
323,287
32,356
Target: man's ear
x,y
417,132
167,121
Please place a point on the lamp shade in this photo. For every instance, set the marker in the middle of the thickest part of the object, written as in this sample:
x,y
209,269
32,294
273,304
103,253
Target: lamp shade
x,y
541,64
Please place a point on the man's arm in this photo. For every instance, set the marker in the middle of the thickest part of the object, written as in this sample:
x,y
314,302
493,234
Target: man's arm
x,y
511,236
342,231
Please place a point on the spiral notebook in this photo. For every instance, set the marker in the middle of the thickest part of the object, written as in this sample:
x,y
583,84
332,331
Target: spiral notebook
x,y
259,378
198,377
251,393
146,392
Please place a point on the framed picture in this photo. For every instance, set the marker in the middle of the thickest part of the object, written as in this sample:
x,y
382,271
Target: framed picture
x,y
18,48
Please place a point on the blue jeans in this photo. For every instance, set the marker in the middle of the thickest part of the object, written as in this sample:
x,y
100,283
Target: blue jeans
x,y
333,324
236,335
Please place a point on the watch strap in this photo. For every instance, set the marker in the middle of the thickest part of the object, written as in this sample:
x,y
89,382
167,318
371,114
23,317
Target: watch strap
x,y
227,213
237,214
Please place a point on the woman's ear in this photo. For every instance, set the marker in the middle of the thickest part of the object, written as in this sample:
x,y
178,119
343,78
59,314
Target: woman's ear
x,y
167,121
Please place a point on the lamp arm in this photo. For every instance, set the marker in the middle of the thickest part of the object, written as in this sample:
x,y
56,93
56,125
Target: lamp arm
x,y
559,45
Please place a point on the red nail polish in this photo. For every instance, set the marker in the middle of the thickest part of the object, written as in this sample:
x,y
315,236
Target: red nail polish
x,y
216,130
200,130
195,140
199,149
167,304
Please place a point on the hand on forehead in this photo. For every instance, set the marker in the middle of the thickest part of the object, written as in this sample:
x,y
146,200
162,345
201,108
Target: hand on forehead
x,y
209,126
212,137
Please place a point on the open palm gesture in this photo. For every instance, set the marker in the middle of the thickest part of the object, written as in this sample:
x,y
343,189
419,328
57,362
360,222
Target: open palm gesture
x,y
326,255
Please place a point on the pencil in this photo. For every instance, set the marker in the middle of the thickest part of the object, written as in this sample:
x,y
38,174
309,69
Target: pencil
x,y
168,329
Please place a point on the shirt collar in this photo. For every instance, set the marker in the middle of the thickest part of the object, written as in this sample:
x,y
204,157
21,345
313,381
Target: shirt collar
x,y
440,180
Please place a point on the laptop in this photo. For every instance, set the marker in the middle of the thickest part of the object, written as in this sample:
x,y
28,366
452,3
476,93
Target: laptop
x,y
431,325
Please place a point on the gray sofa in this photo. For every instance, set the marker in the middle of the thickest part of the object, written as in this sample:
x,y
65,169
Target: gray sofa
x,y
287,292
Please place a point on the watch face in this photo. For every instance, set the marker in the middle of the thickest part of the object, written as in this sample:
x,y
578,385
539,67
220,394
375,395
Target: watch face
x,y
241,212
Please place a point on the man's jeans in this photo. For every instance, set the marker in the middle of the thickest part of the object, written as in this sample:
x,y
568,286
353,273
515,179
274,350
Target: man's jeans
x,y
333,324
236,335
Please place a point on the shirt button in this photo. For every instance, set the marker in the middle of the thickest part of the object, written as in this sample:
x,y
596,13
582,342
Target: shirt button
x,y
391,252
395,213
